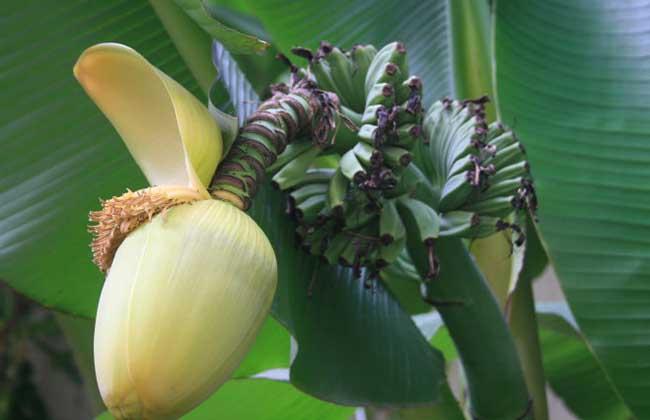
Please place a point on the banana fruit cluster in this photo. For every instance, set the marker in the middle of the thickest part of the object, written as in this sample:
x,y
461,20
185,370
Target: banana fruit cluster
x,y
480,170
375,203
349,214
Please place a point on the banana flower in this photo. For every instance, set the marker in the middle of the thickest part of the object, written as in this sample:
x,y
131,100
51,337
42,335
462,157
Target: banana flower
x,y
189,279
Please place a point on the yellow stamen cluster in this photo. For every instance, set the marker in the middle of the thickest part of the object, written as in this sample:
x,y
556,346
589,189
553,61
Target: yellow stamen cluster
x,y
121,215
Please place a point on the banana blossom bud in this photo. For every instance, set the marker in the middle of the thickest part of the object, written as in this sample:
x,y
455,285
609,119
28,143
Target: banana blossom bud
x,y
190,279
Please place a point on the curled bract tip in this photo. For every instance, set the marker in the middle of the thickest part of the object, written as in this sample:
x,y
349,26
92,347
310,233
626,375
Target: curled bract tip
x,y
170,134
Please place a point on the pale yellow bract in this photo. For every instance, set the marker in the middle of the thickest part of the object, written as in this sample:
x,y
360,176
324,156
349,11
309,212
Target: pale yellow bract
x,y
192,279
169,133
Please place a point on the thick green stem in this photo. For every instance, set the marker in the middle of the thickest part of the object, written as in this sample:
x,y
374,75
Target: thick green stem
x,y
470,312
265,135
523,324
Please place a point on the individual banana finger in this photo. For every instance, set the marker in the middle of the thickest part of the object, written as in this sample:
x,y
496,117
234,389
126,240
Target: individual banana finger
x,y
495,130
411,86
308,210
507,187
370,115
361,56
504,140
516,170
312,176
422,228
388,253
303,193
321,71
397,157
458,223
368,133
507,156
341,71
352,168
292,150
495,207
456,192
381,94
293,171
391,226
335,247
392,53
368,155
427,221
337,191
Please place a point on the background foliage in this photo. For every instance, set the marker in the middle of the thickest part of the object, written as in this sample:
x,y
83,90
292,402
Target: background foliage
x,y
570,77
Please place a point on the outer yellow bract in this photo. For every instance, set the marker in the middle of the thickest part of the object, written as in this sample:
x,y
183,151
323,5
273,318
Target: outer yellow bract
x,y
188,289
181,305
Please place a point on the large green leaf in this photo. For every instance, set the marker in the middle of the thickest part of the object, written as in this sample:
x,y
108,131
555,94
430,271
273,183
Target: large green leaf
x,y
356,346
58,154
263,400
422,26
575,374
572,78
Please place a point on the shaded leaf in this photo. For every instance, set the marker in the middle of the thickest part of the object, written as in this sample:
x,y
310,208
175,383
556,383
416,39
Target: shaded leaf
x,y
246,399
58,153
572,81
356,345
234,40
422,26
575,374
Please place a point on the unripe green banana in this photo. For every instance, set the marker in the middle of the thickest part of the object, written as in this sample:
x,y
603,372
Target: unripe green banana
x,y
516,170
341,72
335,247
370,114
458,223
412,85
504,140
391,74
408,134
411,180
504,188
427,221
368,155
308,210
292,151
407,114
423,227
466,224
358,216
456,191
350,253
391,227
337,191
496,207
392,53
303,193
381,94
390,252
352,168
397,157
507,156
312,176
361,56
287,176
368,133
322,72
495,130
